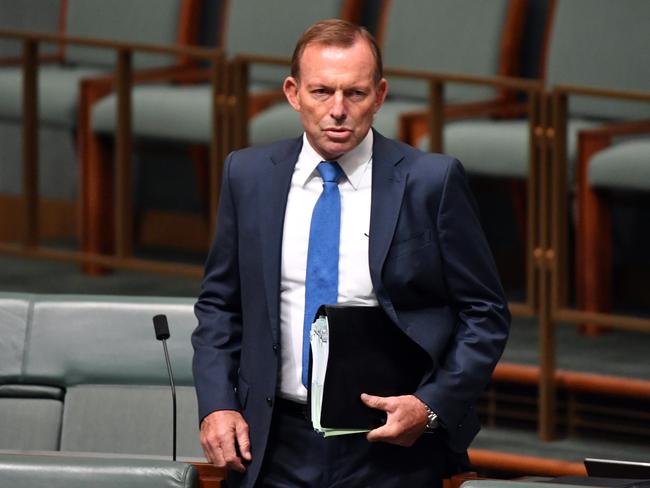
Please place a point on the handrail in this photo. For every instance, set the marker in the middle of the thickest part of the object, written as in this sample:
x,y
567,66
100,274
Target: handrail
x,y
48,37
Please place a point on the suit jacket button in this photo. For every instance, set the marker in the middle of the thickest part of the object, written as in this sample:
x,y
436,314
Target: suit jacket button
x,y
275,348
269,400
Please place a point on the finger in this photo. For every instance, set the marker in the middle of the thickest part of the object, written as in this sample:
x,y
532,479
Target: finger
x,y
243,441
378,434
377,402
209,448
218,459
212,453
233,461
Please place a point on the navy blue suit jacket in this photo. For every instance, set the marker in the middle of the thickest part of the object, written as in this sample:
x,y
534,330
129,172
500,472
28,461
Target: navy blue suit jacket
x,y
430,265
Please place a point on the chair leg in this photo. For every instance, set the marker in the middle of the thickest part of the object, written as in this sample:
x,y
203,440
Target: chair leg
x,y
593,242
97,222
96,179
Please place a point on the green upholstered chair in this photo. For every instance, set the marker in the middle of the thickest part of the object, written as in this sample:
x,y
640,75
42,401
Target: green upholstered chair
x,y
60,78
22,470
612,160
182,113
609,52
480,38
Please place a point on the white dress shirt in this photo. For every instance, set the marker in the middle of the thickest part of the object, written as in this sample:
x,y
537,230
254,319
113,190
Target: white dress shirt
x,y
354,272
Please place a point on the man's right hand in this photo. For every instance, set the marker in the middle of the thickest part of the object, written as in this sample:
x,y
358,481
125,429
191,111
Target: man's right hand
x,y
223,433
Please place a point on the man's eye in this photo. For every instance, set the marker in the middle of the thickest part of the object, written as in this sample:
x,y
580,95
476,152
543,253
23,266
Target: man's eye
x,y
357,94
320,93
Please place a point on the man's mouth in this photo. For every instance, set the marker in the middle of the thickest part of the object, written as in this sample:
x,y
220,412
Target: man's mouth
x,y
338,132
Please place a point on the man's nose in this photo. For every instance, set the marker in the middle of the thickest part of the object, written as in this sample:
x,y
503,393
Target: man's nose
x,y
338,110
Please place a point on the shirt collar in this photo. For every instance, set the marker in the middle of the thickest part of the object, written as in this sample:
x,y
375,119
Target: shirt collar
x,y
354,163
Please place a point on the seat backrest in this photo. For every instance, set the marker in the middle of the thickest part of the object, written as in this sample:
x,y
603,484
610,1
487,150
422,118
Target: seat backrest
x,y
163,22
30,16
451,36
603,44
272,28
106,340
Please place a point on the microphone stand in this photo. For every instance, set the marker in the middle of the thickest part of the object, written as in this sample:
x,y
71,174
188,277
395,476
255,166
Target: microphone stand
x,y
171,384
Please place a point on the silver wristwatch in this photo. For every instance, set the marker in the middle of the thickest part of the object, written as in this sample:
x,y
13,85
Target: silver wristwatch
x,y
432,419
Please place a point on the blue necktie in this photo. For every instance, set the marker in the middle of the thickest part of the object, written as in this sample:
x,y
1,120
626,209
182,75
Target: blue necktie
x,y
322,279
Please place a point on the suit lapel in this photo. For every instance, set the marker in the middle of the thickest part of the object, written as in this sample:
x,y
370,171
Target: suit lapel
x,y
388,184
274,186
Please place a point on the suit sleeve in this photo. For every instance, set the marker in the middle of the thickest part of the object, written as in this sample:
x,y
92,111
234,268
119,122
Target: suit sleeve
x,y
476,295
217,338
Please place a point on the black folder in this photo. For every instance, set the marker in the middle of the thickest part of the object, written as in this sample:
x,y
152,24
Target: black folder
x,y
368,353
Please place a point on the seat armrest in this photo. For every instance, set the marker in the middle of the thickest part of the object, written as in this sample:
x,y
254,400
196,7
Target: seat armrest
x,y
591,141
618,129
18,60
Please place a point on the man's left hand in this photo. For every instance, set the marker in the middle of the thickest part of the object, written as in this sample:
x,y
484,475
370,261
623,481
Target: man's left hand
x,y
406,419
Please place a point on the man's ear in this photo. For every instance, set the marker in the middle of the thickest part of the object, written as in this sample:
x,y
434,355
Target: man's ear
x,y
382,91
290,88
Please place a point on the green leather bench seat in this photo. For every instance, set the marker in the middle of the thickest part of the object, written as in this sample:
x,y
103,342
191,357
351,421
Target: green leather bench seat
x,y
58,471
85,373
623,166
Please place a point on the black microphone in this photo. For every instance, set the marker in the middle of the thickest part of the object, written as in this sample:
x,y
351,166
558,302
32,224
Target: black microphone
x,y
162,334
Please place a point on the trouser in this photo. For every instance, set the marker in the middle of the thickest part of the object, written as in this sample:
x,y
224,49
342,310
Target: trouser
x,y
296,456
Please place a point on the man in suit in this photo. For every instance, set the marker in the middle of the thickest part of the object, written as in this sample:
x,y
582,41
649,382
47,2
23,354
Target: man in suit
x,y
409,240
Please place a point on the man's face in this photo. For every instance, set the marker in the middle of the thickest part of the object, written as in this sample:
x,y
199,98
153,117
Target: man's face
x,y
336,96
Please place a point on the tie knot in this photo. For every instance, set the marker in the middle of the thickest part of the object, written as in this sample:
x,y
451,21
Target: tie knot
x,y
330,171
